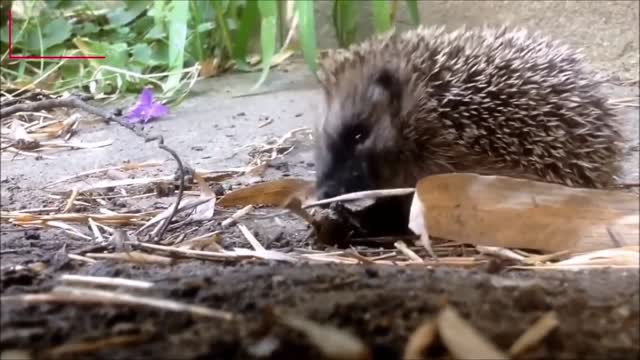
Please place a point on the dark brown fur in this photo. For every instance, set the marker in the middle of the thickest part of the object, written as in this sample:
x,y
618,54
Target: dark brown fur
x,y
489,101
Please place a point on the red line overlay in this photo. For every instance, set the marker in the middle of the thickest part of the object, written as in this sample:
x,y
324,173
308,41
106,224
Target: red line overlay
x,y
17,57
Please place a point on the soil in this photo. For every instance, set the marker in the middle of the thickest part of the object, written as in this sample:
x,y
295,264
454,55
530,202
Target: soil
x,y
598,310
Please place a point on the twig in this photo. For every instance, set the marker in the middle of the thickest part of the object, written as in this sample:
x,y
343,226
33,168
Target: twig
x,y
502,253
407,252
65,294
237,215
82,258
362,195
95,345
102,280
70,102
74,102
133,256
251,239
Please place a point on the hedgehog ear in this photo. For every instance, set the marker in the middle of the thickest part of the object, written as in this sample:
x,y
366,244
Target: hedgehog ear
x,y
387,87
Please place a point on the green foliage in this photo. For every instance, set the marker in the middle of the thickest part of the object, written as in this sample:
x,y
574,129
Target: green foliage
x,y
381,15
345,21
164,43
307,31
268,32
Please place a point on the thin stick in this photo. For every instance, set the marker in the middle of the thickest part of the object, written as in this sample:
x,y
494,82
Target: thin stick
x,y
95,345
133,256
400,245
207,255
81,258
252,239
66,294
362,195
97,171
237,215
500,252
70,102
102,280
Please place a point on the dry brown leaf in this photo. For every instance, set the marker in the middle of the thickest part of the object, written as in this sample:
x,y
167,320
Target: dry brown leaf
x,y
206,210
515,213
272,193
210,67
208,241
534,334
420,341
332,342
624,257
462,340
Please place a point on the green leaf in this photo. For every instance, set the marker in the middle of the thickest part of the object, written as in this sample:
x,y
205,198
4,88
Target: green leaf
x,y
59,4
220,8
29,39
381,15
345,21
116,55
123,16
307,31
248,22
199,46
4,34
412,7
268,31
55,32
156,32
86,29
179,16
206,26
142,53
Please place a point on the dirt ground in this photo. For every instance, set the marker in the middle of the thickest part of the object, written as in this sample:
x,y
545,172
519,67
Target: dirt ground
x,y
598,310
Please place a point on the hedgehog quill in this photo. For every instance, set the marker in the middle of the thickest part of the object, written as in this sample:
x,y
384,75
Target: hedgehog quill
x,y
493,101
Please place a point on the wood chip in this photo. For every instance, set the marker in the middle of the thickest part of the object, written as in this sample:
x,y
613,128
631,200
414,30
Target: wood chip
x,y
420,340
332,342
462,340
538,331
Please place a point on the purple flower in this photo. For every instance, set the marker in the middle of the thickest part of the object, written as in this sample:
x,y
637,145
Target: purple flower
x,y
146,109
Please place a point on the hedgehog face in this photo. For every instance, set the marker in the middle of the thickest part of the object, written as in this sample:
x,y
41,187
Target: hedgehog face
x,y
357,143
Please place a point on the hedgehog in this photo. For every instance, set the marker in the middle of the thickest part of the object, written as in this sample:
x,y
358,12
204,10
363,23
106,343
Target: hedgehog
x,y
486,100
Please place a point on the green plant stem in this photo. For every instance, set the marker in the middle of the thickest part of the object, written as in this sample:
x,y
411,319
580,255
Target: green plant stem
x,y
197,21
226,37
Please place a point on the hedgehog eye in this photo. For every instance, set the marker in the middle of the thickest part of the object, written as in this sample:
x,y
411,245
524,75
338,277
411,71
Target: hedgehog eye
x,y
356,134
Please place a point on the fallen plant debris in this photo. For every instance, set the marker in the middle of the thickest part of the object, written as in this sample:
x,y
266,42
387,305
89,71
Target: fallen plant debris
x,y
285,194
476,209
74,102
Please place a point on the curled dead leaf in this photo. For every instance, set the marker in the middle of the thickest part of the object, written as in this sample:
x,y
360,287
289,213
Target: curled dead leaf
x,y
516,213
271,193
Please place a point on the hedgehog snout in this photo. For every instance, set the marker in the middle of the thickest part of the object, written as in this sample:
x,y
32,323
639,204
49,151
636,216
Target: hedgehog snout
x,y
342,177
